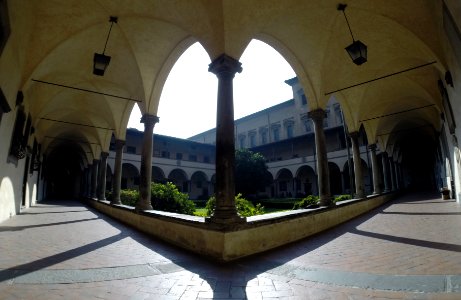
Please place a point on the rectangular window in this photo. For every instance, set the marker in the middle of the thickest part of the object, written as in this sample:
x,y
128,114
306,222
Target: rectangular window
x,y
165,154
303,99
338,114
178,156
264,137
276,133
206,159
242,141
289,131
192,157
131,149
325,121
252,140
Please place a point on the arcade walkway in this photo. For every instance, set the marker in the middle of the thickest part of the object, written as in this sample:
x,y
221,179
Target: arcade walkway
x,y
409,249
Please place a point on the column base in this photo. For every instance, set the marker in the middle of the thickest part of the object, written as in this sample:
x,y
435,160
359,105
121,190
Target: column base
x,y
140,206
115,202
226,216
359,196
327,201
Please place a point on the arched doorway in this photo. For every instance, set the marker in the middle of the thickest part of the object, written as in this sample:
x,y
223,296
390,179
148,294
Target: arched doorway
x,y
199,186
179,178
130,176
305,182
63,171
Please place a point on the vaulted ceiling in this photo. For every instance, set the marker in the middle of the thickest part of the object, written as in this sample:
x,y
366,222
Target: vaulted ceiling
x,y
54,41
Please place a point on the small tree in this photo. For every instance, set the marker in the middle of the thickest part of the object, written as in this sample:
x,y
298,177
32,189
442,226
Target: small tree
x,y
251,173
244,207
167,197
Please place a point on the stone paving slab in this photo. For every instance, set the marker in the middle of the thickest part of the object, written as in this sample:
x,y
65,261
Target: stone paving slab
x,y
409,249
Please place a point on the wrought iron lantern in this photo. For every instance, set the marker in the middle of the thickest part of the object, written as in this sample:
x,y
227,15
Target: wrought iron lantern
x,y
100,60
357,50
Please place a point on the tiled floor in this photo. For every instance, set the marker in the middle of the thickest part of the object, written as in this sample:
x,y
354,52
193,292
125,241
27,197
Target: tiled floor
x,y
408,249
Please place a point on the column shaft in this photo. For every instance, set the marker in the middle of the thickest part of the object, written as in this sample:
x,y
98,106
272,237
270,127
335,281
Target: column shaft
x,y
102,176
144,202
225,67
322,160
374,167
117,180
94,178
392,173
359,185
385,161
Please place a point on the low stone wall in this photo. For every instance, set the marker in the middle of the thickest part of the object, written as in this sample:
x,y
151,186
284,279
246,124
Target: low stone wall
x,y
258,234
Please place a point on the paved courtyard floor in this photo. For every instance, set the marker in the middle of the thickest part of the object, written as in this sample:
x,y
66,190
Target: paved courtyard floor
x,y
407,249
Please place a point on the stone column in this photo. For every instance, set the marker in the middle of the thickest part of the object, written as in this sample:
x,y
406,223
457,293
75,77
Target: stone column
x,y
323,179
89,180
102,176
225,67
94,178
374,168
392,173
116,184
359,186
386,173
146,162
397,177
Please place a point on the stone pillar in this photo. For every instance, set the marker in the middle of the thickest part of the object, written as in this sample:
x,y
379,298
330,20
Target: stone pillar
x,y
359,186
94,178
385,161
322,160
397,177
89,180
146,162
116,184
225,67
102,176
392,173
374,168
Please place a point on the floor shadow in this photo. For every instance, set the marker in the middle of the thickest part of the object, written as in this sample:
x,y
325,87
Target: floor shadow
x,y
19,228
232,279
409,241
420,213
52,212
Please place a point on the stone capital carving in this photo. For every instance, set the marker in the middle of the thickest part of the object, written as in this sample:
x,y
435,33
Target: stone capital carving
x,y
119,144
104,155
225,66
372,147
317,115
354,135
148,119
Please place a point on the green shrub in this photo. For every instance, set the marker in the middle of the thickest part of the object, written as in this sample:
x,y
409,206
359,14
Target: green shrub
x,y
129,197
167,197
244,207
310,200
342,198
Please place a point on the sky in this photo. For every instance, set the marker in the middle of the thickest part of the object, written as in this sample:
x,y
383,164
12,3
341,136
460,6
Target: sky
x,y
188,101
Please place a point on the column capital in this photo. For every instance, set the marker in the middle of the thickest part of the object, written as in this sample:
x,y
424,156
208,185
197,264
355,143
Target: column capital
x,y
225,66
149,119
104,155
317,115
119,143
354,134
372,147
95,161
